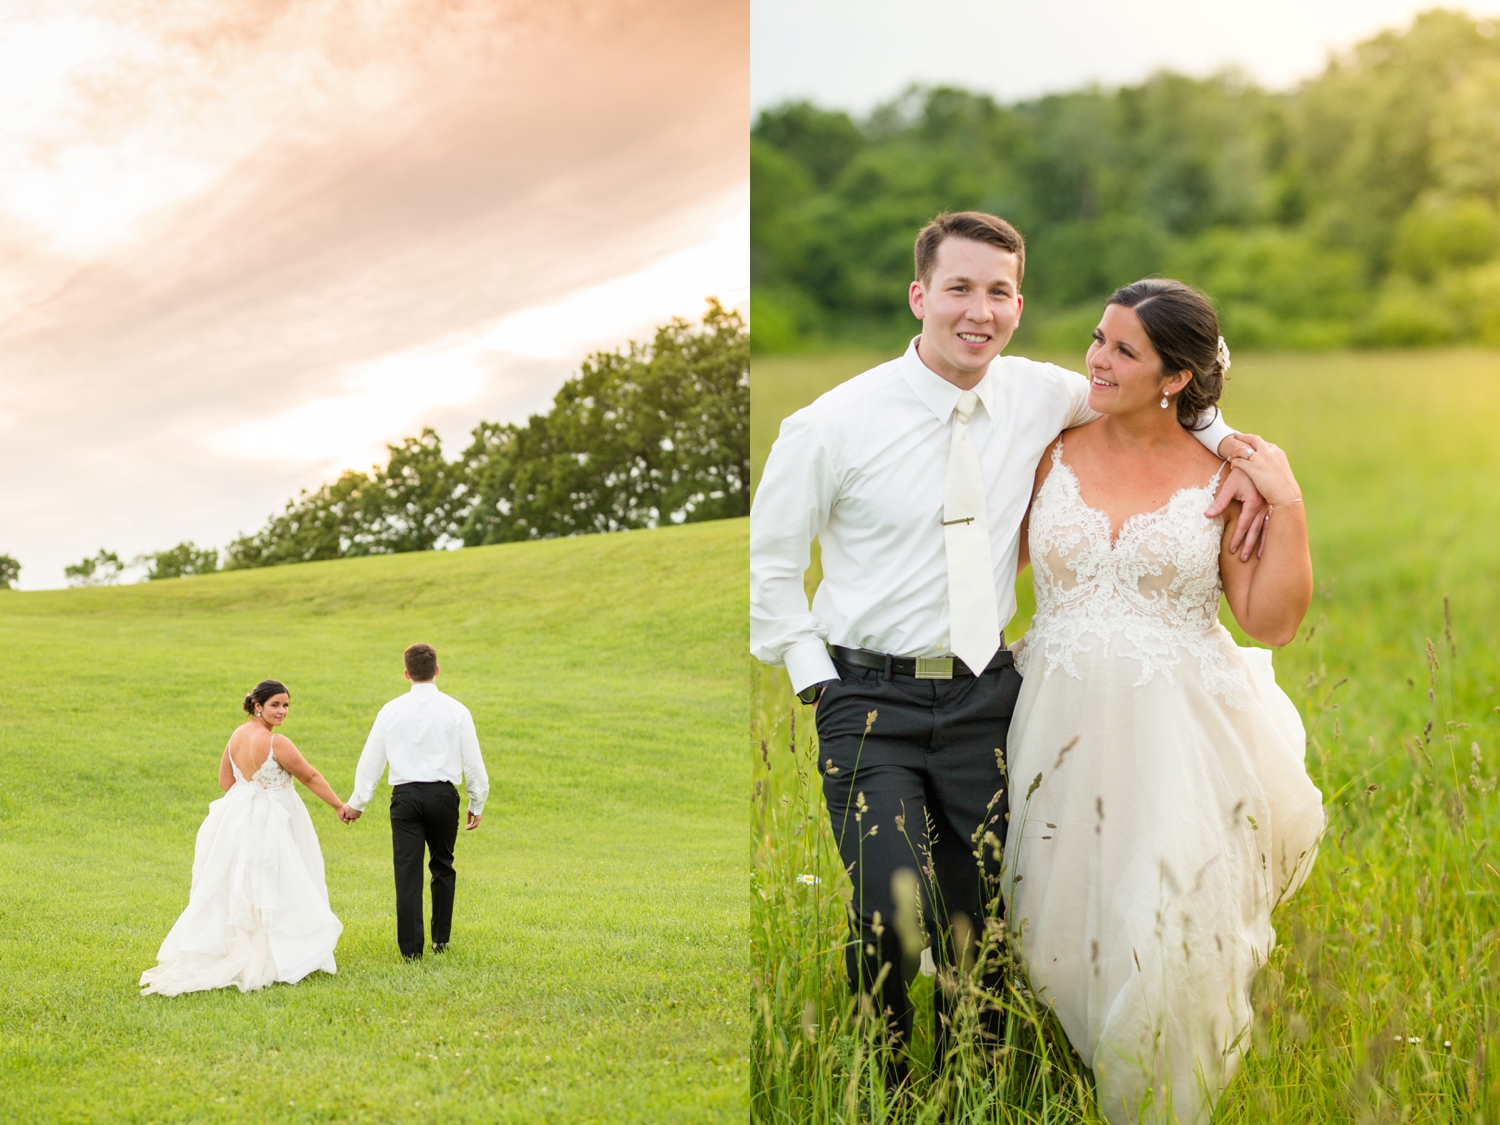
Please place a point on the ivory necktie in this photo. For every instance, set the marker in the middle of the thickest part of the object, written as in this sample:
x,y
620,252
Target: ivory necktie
x,y
973,616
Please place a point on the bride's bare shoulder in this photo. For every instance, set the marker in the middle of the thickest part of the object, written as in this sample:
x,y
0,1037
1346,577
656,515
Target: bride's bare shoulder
x,y
1084,436
1195,453
240,732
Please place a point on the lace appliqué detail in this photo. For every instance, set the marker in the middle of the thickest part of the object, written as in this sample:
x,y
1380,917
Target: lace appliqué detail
x,y
271,775
1156,588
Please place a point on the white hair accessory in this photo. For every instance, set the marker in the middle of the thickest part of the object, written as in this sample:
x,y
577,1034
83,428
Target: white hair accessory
x,y
1223,357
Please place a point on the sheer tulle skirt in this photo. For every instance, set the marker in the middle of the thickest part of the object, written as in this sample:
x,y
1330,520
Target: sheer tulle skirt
x,y
1146,863
258,911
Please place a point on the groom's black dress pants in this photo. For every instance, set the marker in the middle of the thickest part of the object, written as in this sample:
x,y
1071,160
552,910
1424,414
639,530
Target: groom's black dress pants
x,y
930,759
424,817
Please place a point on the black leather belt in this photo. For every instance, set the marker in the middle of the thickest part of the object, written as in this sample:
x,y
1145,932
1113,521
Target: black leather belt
x,y
921,667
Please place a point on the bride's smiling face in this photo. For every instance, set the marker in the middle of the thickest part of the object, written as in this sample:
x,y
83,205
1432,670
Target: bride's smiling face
x,y
274,710
1125,372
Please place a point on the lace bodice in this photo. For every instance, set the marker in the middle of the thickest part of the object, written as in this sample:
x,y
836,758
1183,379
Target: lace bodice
x,y
270,775
1151,595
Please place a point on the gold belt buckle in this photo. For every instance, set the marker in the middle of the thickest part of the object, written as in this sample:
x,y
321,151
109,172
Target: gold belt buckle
x,y
934,667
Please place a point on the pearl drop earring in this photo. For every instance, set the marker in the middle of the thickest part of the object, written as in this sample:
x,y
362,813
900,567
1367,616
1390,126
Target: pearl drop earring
x,y
1164,403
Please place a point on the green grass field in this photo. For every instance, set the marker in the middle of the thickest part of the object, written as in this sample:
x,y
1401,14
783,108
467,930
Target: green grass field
x,y
598,965
1382,1002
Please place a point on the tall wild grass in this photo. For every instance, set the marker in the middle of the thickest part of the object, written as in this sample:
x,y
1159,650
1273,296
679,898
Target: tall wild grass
x,y
1380,1002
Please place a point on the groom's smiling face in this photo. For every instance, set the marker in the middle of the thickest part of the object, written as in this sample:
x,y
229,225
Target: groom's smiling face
x,y
968,308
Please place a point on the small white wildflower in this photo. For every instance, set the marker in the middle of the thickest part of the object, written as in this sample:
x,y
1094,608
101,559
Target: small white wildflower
x,y
809,880
1415,1040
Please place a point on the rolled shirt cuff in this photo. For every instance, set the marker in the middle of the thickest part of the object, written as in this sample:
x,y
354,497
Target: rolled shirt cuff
x,y
807,663
476,809
1216,431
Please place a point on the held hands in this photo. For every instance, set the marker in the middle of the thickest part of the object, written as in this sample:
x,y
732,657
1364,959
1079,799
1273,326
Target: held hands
x,y
348,814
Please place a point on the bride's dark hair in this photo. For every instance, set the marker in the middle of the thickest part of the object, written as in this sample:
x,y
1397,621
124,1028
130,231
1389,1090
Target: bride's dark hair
x,y
257,696
1184,330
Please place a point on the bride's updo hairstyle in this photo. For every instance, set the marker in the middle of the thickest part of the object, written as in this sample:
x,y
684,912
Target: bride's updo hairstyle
x,y
257,696
1184,330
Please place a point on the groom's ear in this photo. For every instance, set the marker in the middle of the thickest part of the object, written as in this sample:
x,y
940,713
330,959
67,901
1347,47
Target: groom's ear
x,y
916,297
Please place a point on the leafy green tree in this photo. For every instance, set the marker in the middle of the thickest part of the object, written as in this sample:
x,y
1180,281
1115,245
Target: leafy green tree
x,y
419,496
1439,233
102,569
181,561
822,141
651,434
331,522
10,572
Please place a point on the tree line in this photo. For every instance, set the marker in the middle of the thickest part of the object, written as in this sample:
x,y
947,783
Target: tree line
x,y
651,434
1358,209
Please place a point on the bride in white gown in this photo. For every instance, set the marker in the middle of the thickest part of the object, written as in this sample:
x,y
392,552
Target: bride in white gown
x,y
1160,806
258,911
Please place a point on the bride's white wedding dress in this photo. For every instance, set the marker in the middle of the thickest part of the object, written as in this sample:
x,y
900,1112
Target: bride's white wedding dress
x,y
258,911
1173,808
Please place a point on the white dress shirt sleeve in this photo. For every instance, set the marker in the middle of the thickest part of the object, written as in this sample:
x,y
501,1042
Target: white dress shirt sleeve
x,y
792,504
1215,432
371,765
476,780
1079,412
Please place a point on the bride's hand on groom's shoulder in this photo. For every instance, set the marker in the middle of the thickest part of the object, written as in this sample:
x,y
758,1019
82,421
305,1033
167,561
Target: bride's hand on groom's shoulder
x,y
1239,485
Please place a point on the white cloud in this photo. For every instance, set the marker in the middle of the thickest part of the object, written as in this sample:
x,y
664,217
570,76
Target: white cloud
x,y
673,285
385,399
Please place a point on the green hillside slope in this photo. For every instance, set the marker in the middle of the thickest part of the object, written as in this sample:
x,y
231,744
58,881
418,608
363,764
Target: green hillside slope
x,y
599,950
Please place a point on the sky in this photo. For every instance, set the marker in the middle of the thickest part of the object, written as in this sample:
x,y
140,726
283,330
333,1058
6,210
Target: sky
x,y
246,243
855,54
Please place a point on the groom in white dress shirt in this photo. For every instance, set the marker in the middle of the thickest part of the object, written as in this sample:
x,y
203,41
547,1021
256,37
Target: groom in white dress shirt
x,y
429,742
914,477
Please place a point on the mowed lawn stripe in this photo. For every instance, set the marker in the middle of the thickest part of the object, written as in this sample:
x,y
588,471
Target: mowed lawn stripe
x,y
599,956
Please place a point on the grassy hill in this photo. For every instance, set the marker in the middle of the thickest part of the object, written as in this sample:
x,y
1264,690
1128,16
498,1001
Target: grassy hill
x,y
1382,1002
599,950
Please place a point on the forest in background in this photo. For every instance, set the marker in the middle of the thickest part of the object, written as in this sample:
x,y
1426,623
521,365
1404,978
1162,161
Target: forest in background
x,y
1357,210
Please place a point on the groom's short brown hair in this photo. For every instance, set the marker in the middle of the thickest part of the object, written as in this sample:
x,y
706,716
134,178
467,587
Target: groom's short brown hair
x,y
421,662
974,225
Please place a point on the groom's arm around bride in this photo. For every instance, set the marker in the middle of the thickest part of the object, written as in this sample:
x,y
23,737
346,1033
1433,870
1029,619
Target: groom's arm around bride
x,y
429,743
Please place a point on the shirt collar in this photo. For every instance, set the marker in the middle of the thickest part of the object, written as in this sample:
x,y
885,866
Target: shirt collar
x,y
936,393
425,687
